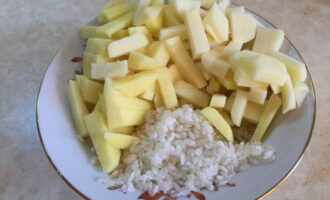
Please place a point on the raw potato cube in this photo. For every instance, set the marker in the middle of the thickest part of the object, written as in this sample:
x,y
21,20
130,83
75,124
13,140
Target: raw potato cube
x,y
226,116
78,107
268,40
253,112
109,28
265,69
300,91
136,84
124,130
158,51
90,32
266,118
108,155
174,73
238,109
140,62
120,34
218,122
119,10
196,33
116,69
257,95
154,18
127,44
216,24
89,58
141,29
243,27
214,86
288,96
276,89
149,93
97,46
296,69
139,7
185,63
183,6
166,88
215,66
158,100
218,101
120,141
192,94
172,31
170,17
90,90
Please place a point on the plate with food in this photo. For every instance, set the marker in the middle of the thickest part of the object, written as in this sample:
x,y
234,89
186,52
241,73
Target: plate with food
x,y
185,99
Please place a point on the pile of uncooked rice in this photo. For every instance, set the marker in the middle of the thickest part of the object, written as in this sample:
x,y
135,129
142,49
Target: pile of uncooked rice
x,y
178,154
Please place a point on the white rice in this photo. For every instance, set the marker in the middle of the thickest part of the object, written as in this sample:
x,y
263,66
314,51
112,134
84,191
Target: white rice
x,y
178,154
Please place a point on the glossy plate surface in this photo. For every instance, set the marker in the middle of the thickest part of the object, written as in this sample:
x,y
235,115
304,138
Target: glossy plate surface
x,y
290,135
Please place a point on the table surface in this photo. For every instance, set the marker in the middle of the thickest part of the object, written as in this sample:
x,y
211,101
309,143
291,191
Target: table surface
x,y
32,31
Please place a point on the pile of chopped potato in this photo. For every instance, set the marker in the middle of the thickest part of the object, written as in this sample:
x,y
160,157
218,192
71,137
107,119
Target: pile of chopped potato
x,y
146,54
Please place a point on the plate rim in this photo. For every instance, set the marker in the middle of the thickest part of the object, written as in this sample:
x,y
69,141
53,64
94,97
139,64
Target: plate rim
x,y
264,195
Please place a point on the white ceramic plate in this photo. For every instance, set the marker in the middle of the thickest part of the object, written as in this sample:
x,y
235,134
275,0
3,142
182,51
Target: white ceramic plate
x,y
290,135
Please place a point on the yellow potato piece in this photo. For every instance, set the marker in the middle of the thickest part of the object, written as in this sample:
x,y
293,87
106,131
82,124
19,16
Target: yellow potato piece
x,y
217,120
153,18
268,40
300,90
174,72
140,5
127,44
296,69
78,107
238,109
100,71
215,66
170,16
253,111
243,27
141,29
119,10
184,62
140,62
149,93
172,31
196,33
97,46
257,95
216,24
111,27
158,100
120,34
166,88
288,96
120,141
218,100
124,130
108,155
191,94
266,118
214,86
136,84
158,51
90,32
89,58
90,90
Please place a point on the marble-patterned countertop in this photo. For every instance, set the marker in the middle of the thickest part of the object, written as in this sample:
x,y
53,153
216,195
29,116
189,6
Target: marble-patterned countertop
x,y
32,31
